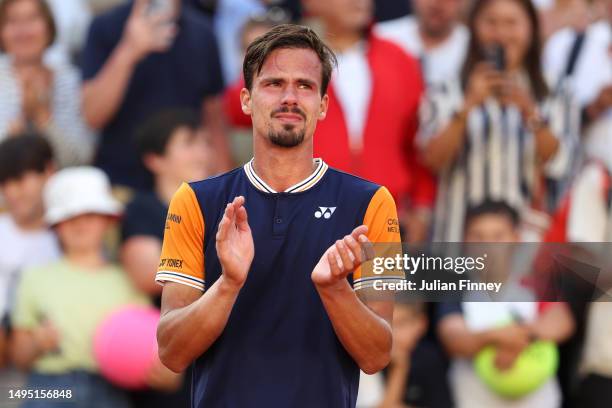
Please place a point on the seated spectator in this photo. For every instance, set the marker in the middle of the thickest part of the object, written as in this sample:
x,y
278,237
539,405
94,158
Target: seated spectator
x,y
434,35
137,62
372,119
497,133
174,151
466,328
581,60
60,305
34,95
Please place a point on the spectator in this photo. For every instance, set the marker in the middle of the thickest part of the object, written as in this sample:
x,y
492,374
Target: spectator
x,y
25,164
496,133
556,15
581,60
173,150
434,35
60,305
137,62
468,327
34,95
373,102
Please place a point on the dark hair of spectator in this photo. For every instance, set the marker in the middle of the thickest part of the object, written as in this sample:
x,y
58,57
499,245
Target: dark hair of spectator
x,y
155,132
287,36
492,207
22,153
45,11
531,63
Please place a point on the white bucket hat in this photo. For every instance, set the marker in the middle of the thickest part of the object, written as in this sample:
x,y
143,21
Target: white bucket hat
x,y
76,191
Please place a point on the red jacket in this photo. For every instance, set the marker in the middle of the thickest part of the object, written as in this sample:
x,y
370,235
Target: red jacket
x,y
388,156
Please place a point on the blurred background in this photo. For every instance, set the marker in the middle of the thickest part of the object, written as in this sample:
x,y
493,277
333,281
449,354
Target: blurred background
x,y
488,120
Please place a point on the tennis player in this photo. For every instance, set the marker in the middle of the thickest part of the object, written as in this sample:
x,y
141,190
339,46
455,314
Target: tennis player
x,y
268,306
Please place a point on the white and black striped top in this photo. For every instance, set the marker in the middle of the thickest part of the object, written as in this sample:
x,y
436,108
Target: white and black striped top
x,y
72,141
498,160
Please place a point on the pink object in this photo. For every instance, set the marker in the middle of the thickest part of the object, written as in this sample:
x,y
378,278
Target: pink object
x,y
125,346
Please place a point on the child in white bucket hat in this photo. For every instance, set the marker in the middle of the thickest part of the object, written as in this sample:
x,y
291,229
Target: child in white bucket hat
x,y
59,306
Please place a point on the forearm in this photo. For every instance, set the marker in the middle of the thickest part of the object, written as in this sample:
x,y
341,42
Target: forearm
x,y
441,150
24,350
183,334
546,144
556,324
365,336
395,388
102,95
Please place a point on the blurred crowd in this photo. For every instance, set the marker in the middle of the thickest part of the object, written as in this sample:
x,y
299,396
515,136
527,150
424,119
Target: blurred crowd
x,y
488,120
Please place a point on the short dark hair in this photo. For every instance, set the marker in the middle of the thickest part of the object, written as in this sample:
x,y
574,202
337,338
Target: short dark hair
x,y
22,153
287,36
155,132
493,207
45,11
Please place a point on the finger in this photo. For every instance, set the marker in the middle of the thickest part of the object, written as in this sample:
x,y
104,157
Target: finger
x,y
367,247
242,221
360,230
355,250
332,260
224,224
343,252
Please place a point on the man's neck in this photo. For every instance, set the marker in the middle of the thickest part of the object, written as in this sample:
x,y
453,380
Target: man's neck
x,y
432,41
165,187
281,168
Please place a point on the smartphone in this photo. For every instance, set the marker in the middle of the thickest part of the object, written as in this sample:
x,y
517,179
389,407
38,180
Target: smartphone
x,y
496,56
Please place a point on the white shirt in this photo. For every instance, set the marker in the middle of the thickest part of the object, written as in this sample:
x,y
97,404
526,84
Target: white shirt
x,y
19,250
353,86
72,18
440,64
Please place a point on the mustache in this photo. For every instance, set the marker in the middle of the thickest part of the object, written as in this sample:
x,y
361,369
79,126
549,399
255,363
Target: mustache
x,y
286,109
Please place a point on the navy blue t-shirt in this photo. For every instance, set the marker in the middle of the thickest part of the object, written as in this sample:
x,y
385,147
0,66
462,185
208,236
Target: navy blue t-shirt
x,y
279,348
181,77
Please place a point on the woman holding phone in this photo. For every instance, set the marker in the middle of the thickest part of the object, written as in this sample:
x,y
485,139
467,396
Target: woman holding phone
x,y
498,130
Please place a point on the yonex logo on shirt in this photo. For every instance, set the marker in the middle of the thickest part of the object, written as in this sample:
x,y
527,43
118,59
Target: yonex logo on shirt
x,y
325,212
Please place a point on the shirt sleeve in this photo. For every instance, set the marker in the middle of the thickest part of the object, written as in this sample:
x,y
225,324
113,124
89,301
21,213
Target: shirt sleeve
x,y
25,313
182,257
383,231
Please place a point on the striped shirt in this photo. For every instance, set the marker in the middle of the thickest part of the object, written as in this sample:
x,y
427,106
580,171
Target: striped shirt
x,y
498,160
72,141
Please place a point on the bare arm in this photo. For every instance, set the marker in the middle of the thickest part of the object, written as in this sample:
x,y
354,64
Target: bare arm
x,y
191,322
28,345
363,329
396,385
556,324
460,341
441,150
143,34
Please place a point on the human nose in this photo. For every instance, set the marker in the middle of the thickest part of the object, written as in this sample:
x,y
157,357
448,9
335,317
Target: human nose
x,y
289,96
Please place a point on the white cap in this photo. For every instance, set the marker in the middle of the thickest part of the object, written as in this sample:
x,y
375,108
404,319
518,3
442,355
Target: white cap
x,y
76,191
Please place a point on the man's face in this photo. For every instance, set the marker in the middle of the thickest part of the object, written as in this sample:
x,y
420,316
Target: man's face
x,y
23,196
491,228
285,101
437,17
